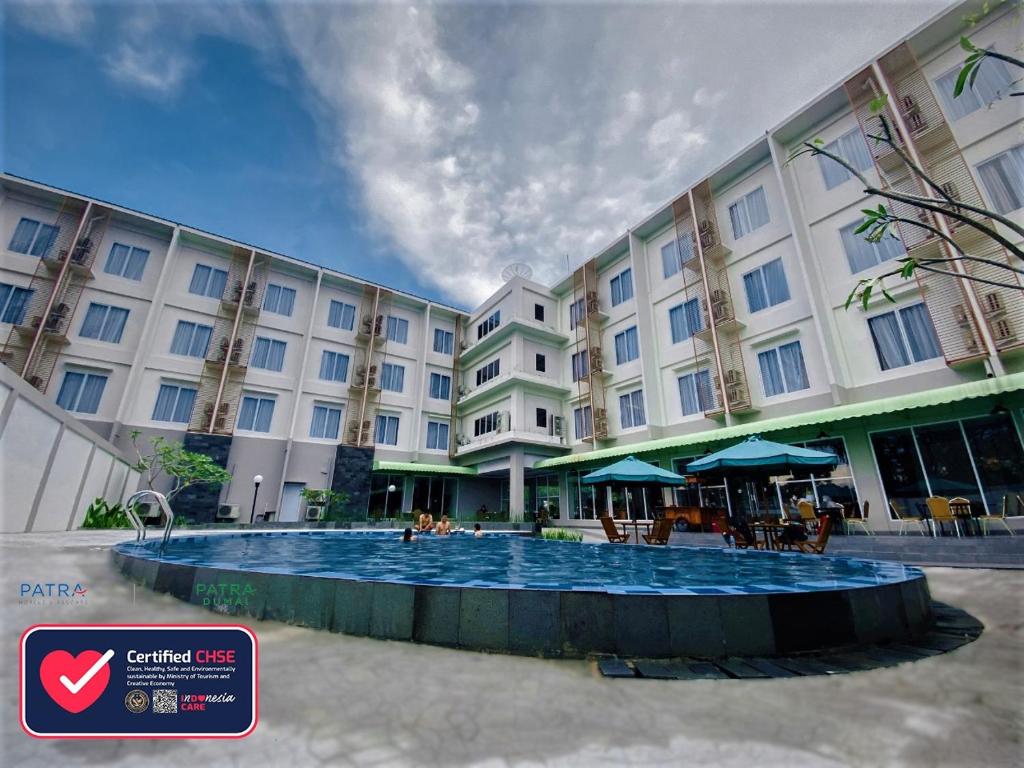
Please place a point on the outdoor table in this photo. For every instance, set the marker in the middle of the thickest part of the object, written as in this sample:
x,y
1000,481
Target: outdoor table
x,y
770,531
636,527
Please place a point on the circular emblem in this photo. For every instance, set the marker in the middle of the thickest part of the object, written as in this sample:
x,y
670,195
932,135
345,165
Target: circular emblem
x,y
136,701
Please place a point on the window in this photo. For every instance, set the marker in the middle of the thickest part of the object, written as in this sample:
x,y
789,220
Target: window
x,y
485,424
333,366
33,238
130,262
207,281
81,392
852,148
583,421
992,81
174,403
488,372
326,421
631,409
622,287
444,341
437,436
766,286
903,337
538,312
398,329
440,386
540,363
104,323
861,255
675,254
1003,178
256,413
695,394
268,354
627,346
782,369
191,339
279,300
488,325
685,320
13,303
392,377
341,315
542,418
385,431
576,310
580,365
748,213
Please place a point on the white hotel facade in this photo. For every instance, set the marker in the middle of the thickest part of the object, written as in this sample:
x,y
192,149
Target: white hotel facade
x,y
719,315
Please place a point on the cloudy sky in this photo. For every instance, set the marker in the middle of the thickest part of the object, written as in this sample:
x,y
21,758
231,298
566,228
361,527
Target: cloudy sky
x,y
422,146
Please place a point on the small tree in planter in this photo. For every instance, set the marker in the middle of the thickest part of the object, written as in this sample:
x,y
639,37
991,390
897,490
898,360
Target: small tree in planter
x,y
333,501
185,468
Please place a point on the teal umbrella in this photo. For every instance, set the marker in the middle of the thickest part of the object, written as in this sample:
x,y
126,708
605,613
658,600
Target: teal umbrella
x,y
633,471
765,455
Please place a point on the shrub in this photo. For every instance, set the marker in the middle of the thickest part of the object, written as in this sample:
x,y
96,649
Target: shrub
x,y
100,514
562,534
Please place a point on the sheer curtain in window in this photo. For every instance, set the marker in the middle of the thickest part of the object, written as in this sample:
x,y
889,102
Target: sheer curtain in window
x,y
775,282
791,357
1003,178
924,344
885,332
771,376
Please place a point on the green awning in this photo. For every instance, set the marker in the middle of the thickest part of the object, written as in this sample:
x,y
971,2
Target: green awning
x,y
409,467
928,398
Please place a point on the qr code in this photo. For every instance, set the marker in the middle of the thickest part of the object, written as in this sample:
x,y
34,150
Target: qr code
x,y
165,702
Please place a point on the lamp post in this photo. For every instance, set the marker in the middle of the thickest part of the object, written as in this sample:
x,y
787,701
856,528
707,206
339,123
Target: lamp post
x,y
387,493
256,482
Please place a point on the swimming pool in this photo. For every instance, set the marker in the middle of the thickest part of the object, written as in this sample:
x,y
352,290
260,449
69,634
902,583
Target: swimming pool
x,y
528,595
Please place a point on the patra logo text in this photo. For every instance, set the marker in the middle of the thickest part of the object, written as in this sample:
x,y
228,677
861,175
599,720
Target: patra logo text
x,y
63,592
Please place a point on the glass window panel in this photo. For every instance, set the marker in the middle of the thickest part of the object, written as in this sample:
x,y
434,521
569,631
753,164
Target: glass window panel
x,y
888,340
92,326
200,278
776,288
91,393
753,283
264,415
113,327
771,374
183,407
117,260
900,469
921,338
136,264
24,234
946,462
791,358
670,259
1003,179
998,458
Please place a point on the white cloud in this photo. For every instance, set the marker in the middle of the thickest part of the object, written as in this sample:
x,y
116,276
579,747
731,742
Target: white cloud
x,y
69,20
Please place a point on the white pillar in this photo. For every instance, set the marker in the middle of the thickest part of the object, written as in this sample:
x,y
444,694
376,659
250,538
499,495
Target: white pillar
x,y
516,485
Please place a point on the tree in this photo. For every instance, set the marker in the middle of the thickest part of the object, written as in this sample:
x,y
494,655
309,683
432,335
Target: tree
x,y
186,468
880,222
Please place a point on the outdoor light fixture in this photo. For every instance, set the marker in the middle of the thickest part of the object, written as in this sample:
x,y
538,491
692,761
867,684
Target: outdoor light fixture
x,y
256,482
998,409
822,435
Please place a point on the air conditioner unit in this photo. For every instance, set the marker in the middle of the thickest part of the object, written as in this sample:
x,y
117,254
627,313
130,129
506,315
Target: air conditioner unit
x,y
556,425
36,381
314,513
250,294
225,342
366,324
236,292
1003,332
463,345
993,303
148,510
227,512
733,377
236,352
378,325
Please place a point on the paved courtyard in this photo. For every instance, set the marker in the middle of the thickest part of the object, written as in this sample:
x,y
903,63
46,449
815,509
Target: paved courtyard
x,y
335,700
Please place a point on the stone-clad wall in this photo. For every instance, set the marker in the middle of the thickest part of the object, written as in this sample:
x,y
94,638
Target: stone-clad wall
x,y
352,469
199,502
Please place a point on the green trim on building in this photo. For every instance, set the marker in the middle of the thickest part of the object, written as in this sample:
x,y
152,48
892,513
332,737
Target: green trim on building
x,y
421,469
986,387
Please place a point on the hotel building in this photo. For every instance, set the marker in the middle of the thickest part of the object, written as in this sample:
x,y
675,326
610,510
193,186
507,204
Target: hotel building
x,y
719,315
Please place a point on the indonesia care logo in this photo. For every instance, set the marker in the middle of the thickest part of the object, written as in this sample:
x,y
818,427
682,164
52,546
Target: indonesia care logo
x,y
52,593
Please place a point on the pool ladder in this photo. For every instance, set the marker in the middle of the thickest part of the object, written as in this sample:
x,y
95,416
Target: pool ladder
x,y
133,518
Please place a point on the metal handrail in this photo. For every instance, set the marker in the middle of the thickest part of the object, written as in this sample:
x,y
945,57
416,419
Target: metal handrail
x,y
140,529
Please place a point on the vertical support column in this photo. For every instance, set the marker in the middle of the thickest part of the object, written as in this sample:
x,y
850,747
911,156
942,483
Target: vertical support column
x,y
516,484
648,330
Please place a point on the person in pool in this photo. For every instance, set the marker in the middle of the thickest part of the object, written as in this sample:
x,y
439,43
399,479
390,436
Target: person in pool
x,y
426,522
444,528
407,535
478,531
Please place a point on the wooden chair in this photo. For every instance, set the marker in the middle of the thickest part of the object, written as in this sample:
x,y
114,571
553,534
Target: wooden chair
x,y
849,523
740,541
938,508
1004,512
660,531
612,532
907,521
817,547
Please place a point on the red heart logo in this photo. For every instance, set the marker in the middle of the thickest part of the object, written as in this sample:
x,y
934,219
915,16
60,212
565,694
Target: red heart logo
x,y
73,668
201,697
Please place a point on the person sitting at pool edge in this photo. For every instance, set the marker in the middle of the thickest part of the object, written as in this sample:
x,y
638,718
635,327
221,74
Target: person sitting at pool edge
x,y
444,528
407,535
426,522
478,531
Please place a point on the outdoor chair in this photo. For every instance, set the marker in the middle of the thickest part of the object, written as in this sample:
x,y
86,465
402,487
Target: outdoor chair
x,y
938,508
817,547
849,523
739,539
660,531
1004,512
907,521
613,534
807,516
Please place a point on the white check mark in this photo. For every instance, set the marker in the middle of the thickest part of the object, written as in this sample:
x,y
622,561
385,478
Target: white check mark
x,y
89,675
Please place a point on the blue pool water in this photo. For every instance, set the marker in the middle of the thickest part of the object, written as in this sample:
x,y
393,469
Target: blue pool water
x,y
519,562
